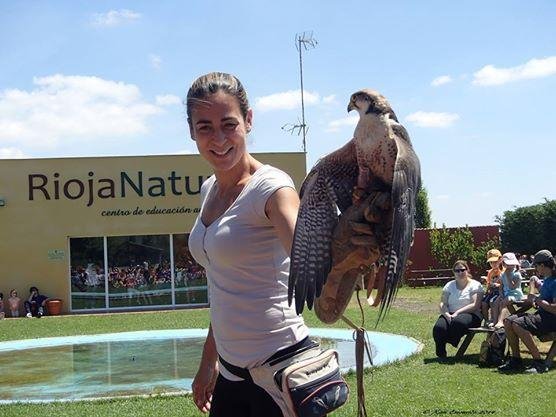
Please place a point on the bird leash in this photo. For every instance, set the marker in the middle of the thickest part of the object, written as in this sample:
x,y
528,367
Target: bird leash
x,y
362,346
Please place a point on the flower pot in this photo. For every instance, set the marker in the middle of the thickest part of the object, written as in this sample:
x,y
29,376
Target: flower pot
x,y
54,307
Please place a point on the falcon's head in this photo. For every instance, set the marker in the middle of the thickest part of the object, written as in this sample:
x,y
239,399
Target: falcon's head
x,y
370,102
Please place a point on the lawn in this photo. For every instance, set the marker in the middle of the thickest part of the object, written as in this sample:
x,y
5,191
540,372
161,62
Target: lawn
x,y
417,386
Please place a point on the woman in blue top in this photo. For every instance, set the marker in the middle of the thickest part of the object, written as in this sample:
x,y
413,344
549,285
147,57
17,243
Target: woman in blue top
x,y
511,286
542,322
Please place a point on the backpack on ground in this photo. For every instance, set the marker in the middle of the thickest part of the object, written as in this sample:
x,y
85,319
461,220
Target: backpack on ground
x,y
493,349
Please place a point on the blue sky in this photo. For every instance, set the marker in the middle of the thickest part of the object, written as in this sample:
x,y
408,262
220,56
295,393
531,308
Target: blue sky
x,y
473,82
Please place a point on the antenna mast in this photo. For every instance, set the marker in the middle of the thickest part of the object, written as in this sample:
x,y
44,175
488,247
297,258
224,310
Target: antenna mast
x,y
303,41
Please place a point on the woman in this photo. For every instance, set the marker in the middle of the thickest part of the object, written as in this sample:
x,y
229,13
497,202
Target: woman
x,y
511,285
460,309
494,286
242,237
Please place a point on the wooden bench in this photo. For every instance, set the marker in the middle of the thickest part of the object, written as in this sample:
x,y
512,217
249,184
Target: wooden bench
x,y
469,337
551,337
424,277
424,281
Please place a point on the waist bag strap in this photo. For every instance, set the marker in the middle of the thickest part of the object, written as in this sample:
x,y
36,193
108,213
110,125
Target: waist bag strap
x,y
304,344
236,370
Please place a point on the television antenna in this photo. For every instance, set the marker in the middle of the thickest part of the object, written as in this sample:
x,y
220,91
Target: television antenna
x,y
303,41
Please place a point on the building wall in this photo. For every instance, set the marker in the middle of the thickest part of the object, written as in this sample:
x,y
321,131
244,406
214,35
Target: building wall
x,y
47,201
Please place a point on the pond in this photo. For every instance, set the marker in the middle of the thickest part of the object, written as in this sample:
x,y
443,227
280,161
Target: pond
x,y
140,363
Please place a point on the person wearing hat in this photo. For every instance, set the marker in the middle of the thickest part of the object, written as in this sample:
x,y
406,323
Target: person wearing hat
x,y
493,286
511,286
542,322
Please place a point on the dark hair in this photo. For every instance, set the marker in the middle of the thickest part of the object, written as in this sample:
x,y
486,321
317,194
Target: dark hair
x,y
1,296
33,289
213,82
464,263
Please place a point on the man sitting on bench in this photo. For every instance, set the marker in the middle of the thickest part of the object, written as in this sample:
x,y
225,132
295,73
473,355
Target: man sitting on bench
x,y
542,322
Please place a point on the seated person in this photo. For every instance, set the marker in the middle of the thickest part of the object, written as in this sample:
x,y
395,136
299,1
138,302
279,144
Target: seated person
x,y
34,306
14,302
511,286
542,322
460,309
524,262
493,285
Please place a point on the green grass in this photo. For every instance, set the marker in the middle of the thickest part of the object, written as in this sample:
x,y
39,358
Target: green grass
x,y
417,386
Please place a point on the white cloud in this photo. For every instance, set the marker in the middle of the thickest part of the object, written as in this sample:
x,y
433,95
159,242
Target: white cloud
x,y
288,100
443,79
535,68
62,109
155,61
432,119
114,17
167,100
12,153
329,99
336,125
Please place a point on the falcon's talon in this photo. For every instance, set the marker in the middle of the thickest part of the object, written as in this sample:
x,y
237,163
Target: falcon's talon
x,y
358,195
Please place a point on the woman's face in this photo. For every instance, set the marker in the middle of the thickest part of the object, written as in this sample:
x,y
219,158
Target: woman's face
x,y
493,264
460,271
509,267
219,129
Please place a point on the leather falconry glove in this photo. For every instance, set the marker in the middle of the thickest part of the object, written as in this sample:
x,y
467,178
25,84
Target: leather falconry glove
x,y
356,249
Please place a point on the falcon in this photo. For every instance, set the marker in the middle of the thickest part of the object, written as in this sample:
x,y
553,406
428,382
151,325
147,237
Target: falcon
x,y
373,181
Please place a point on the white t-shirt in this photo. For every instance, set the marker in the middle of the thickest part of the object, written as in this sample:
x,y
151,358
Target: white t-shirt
x,y
460,298
247,269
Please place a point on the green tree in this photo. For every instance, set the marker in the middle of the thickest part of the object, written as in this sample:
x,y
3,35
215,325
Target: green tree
x,y
449,245
478,257
422,210
528,229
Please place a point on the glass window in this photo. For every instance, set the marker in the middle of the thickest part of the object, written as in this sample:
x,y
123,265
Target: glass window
x,y
139,271
190,278
87,273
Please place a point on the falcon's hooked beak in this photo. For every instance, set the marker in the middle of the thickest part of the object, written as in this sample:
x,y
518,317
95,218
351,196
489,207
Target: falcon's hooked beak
x,y
352,104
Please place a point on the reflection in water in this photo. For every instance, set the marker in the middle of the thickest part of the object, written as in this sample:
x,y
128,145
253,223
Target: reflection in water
x,y
108,369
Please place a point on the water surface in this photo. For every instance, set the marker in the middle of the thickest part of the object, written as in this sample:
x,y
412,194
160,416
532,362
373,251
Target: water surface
x,y
139,363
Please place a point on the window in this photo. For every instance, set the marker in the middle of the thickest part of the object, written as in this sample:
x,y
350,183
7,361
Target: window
x,y
190,277
139,273
87,273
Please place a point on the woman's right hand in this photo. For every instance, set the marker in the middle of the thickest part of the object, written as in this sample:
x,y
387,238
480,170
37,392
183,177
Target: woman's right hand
x,y
448,316
203,385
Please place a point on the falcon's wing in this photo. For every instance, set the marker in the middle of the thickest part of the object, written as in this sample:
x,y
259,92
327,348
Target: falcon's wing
x,y
405,185
329,184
